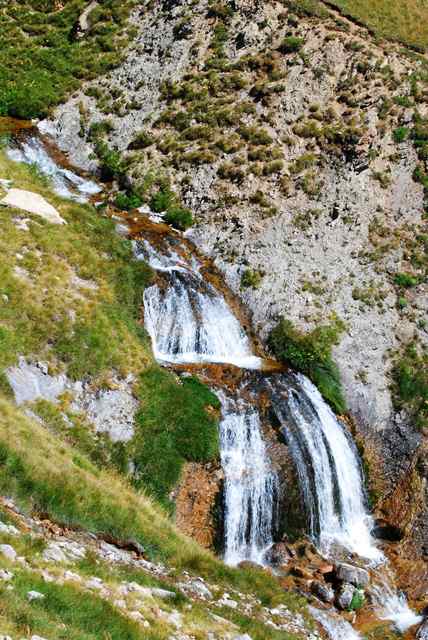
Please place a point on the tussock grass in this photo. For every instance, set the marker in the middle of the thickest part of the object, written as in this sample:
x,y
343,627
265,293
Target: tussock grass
x,y
402,20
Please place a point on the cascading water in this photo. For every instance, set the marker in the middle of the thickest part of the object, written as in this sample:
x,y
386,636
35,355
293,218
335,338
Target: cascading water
x,y
188,321
328,467
332,485
65,183
250,485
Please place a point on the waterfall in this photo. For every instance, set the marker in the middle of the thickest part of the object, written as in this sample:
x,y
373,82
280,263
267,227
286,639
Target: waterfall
x,y
188,320
328,467
332,485
65,183
336,627
250,485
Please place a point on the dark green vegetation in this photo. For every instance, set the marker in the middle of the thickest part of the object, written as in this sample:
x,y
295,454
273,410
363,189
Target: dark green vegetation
x,y
42,61
311,354
410,388
167,201
177,422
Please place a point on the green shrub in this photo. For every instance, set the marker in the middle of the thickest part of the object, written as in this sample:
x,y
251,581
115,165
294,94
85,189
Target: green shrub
x,y
291,44
251,278
128,201
400,134
179,218
410,383
178,422
358,600
405,280
163,200
141,141
311,354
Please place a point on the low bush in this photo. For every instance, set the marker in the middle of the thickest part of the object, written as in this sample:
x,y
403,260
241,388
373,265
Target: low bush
x,y
291,44
410,383
179,217
405,280
311,353
128,201
251,278
400,134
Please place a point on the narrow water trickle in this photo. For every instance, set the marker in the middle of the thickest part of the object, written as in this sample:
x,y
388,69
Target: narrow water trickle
x,y
65,183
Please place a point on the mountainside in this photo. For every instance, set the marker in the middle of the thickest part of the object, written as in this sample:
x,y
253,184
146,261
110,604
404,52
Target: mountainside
x,y
213,319
299,143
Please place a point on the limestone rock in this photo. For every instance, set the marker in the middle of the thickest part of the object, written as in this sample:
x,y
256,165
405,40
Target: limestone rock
x,y
345,596
33,203
353,575
35,595
9,552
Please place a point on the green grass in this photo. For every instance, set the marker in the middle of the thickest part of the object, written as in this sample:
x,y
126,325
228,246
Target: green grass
x,y
410,384
87,328
42,474
402,20
41,62
178,422
311,353
66,613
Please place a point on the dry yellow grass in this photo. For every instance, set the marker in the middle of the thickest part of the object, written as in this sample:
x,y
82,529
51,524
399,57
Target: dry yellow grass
x,y
402,20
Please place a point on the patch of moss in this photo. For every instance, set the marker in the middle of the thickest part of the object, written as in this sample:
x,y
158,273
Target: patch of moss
x,y
177,422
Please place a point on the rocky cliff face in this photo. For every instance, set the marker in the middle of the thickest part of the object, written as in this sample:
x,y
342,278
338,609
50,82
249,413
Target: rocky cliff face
x,y
288,133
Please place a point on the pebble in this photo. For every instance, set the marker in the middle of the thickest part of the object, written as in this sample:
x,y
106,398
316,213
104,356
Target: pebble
x,y
9,552
35,595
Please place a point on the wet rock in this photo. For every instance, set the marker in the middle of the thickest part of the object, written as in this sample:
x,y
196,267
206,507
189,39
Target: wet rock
x,y
278,554
354,575
247,564
32,203
8,552
345,596
322,591
422,633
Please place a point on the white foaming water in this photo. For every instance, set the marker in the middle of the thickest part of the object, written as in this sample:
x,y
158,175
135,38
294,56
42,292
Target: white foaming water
x,y
329,471
65,183
390,604
188,321
337,628
250,485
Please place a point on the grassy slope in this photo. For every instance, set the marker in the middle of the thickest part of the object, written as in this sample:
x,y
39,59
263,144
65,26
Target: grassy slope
x,y
402,20
40,60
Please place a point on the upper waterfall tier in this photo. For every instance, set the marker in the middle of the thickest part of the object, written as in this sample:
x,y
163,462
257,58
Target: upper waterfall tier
x,y
187,319
65,183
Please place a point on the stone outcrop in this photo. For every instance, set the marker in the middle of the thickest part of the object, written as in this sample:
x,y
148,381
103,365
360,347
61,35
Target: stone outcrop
x,y
32,203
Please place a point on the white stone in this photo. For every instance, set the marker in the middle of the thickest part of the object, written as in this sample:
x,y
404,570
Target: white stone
x,y
33,203
94,583
5,575
35,595
8,551
163,594
53,553
9,529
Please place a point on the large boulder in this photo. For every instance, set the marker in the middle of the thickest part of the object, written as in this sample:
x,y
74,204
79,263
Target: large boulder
x,y
32,203
354,575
